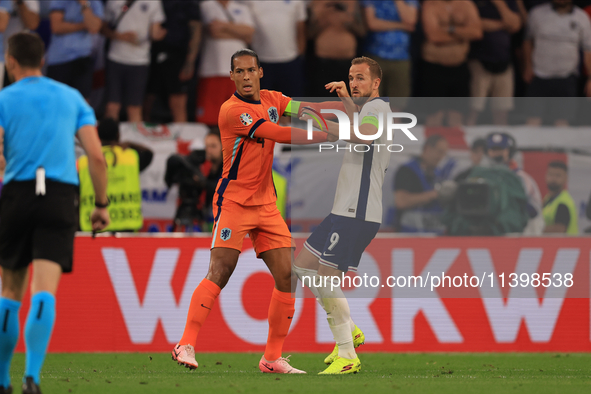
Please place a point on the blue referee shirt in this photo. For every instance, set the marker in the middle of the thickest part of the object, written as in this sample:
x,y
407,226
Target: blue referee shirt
x,y
40,118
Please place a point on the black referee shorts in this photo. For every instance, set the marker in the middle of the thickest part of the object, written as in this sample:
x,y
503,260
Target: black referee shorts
x,y
37,227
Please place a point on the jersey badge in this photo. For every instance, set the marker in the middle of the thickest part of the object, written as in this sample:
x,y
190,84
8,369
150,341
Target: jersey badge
x,y
225,234
246,119
273,114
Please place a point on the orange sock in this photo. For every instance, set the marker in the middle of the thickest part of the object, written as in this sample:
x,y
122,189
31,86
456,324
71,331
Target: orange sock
x,y
281,312
201,303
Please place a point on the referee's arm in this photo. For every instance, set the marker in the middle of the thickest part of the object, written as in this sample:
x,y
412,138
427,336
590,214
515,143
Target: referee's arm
x,y
97,167
2,159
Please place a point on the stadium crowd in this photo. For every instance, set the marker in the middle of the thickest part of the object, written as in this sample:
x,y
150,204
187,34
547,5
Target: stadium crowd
x,y
164,61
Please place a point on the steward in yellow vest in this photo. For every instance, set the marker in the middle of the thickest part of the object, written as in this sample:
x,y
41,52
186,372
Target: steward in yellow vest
x,y
560,210
124,163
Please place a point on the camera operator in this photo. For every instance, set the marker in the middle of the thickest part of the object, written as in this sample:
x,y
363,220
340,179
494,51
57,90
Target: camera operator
x,y
500,148
125,161
477,152
195,188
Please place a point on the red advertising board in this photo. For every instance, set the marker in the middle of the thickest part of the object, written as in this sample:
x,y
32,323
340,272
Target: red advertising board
x,y
132,294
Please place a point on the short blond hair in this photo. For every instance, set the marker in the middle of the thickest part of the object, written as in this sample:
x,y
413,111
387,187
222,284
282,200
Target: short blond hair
x,y
374,68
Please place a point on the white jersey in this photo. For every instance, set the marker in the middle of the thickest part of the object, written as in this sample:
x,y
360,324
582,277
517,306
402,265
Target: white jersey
x,y
359,188
139,19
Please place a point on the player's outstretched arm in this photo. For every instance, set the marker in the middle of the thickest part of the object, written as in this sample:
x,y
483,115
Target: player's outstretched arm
x,y
295,108
287,135
2,158
242,123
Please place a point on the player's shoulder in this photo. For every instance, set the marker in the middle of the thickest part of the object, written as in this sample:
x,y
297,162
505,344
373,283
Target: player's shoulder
x,y
376,105
269,94
273,95
58,87
272,98
41,85
234,105
235,112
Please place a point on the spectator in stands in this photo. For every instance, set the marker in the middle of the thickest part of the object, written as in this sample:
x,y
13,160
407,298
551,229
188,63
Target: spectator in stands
x,y
500,149
560,210
449,27
490,65
24,16
173,59
229,27
5,11
130,29
388,42
69,55
335,27
415,192
125,161
556,32
477,152
280,41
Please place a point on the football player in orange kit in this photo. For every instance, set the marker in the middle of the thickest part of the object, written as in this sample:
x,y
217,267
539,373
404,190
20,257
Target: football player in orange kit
x,y
244,203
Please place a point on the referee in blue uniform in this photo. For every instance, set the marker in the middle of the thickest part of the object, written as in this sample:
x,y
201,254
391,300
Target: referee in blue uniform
x,y
39,119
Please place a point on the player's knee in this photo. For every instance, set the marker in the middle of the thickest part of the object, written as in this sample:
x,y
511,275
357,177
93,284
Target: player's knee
x,y
219,273
283,280
330,296
12,292
305,275
14,284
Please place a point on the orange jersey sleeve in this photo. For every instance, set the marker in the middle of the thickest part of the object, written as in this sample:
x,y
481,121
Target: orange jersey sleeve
x,y
248,131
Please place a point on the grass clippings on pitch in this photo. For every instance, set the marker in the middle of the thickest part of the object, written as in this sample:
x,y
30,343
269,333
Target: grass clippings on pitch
x,y
220,373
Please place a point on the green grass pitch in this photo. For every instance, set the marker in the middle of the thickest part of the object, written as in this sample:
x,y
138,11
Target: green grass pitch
x,y
220,373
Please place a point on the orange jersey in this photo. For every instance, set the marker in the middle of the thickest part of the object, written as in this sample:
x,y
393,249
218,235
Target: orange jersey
x,y
248,131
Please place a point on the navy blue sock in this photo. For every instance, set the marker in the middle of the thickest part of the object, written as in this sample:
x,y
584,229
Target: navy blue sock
x,y
38,332
9,329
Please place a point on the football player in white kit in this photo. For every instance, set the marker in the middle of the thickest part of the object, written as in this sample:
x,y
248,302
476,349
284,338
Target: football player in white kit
x,y
338,242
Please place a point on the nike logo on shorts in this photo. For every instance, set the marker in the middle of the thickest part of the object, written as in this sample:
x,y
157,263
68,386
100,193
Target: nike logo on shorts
x,y
205,307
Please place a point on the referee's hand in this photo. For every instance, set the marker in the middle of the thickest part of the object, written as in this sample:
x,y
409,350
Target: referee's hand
x,y
99,219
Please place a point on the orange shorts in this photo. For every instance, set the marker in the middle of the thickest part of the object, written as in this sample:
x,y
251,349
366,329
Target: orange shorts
x,y
263,223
